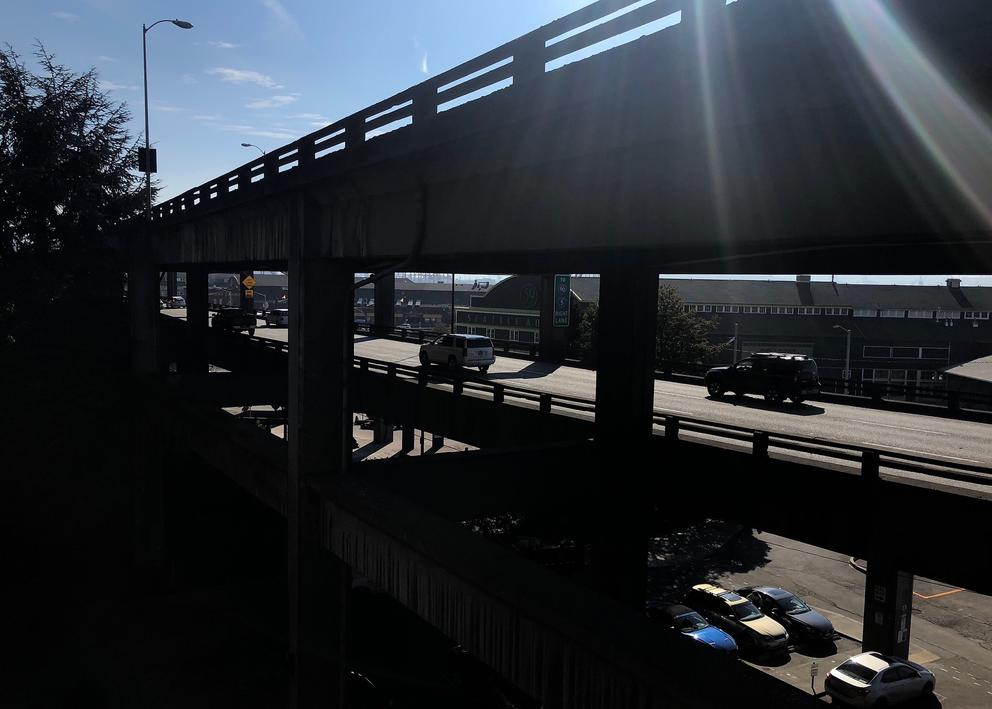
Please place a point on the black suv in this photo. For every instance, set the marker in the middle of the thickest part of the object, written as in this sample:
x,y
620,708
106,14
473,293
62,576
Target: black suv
x,y
774,375
234,320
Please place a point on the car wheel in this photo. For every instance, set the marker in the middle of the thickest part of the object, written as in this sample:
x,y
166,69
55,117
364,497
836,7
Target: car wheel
x,y
484,369
452,362
424,359
715,389
798,399
772,396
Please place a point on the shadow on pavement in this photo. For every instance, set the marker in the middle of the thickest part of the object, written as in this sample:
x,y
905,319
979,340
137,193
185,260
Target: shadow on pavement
x,y
784,407
816,651
534,370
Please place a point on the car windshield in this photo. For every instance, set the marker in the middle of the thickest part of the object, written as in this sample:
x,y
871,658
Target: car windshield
x,y
690,622
746,611
857,671
480,342
792,605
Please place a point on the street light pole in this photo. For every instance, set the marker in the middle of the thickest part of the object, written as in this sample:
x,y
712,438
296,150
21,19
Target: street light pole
x,y
847,360
252,145
182,24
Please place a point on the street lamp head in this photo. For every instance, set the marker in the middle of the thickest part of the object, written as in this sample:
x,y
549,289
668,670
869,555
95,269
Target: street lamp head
x,y
183,24
247,145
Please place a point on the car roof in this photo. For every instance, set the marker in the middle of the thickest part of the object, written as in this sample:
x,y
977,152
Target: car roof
x,y
473,337
874,660
720,592
779,355
773,591
674,610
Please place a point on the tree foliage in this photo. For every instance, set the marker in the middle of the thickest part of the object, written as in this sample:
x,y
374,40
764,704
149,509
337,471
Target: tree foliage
x,y
67,178
681,337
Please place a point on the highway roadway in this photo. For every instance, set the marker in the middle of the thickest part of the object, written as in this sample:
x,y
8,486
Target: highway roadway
x,y
960,441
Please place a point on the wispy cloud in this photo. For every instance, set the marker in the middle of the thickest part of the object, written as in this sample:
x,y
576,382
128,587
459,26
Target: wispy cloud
x,y
66,16
188,79
423,63
244,76
111,86
224,45
207,117
254,132
166,108
273,101
282,19
105,59
309,117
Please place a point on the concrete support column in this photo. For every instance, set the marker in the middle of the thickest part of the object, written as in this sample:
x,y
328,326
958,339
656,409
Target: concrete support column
x,y
888,607
171,284
197,322
321,347
382,431
149,460
553,344
408,437
143,297
628,307
385,300
437,442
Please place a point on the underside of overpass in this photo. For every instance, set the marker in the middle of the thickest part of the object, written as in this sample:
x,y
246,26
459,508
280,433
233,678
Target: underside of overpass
x,y
761,136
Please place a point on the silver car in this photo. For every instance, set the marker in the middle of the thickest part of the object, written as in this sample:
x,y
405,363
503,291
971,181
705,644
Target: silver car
x,y
876,680
459,351
277,317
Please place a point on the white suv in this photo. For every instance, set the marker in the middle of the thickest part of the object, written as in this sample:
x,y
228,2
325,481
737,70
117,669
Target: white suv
x,y
459,351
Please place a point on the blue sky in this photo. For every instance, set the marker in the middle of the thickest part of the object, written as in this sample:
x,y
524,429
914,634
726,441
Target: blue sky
x,y
261,71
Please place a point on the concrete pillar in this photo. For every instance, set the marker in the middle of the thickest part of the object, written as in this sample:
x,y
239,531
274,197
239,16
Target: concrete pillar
x,y
321,347
382,431
888,608
385,301
172,288
553,344
628,307
408,437
143,298
197,322
437,442
149,460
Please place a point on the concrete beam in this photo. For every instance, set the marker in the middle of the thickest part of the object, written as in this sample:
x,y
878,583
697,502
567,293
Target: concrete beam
x,y
385,304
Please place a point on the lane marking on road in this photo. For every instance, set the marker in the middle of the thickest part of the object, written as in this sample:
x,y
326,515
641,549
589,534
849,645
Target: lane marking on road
x,y
938,595
901,428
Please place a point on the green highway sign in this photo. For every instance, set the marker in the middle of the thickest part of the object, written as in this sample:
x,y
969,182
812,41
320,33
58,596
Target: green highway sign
x,y
563,300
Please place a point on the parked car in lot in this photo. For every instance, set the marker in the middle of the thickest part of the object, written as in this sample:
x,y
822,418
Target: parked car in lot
x,y
872,679
791,612
684,620
774,375
459,351
176,301
737,616
234,320
277,317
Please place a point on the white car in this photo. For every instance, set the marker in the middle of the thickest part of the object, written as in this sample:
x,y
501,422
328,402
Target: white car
x,y
277,317
459,351
876,680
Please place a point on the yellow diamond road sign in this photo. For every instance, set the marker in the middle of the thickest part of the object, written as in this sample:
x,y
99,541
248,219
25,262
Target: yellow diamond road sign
x,y
248,282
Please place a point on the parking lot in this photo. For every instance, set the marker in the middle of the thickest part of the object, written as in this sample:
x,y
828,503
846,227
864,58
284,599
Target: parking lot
x,y
951,628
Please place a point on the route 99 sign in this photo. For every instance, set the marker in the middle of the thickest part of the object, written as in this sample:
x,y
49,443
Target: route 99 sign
x,y
563,293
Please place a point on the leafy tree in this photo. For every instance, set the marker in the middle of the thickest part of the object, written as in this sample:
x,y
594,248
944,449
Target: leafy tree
x,y
66,179
681,335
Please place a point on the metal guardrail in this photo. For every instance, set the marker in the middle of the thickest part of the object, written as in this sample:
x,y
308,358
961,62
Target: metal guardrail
x,y
521,61
869,458
412,334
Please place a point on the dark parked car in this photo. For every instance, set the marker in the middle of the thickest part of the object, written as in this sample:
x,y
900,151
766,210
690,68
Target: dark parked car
x,y
684,620
738,617
234,320
774,375
803,623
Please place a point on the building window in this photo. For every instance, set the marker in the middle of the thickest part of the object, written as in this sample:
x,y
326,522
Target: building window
x,y
891,313
865,312
875,351
976,315
921,314
906,352
836,311
941,353
948,315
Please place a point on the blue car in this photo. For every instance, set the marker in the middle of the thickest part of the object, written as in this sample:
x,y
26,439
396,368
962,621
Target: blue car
x,y
688,622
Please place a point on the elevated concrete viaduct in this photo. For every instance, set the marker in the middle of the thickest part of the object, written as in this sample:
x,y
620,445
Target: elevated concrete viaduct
x,y
761,136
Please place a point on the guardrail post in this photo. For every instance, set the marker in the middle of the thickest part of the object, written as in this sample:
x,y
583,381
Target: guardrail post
x,y
672,428
545,403
457,387
876,391
953,401
422,378
869,464
532,350
363,363
498,393
391,371
760,445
